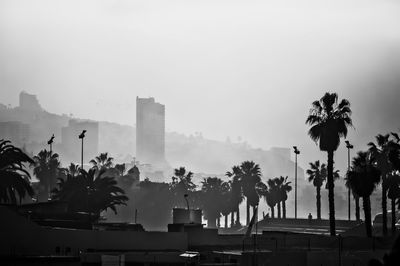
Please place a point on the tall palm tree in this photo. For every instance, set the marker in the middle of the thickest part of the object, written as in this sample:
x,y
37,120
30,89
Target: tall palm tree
x,y
380,152
317,175
14,179
236,192
91,191
284,190
393,183
46,167
363,178
329,121
102,161
251,175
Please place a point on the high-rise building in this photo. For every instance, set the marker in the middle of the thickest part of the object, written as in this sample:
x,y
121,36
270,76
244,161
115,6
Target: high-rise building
x,y
150,131
16,132
71,144
29,102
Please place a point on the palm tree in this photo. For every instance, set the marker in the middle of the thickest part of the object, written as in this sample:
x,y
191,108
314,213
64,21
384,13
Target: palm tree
x,y
380,152
329,121
363,178
14,179
393,182
251,175
46,167
236,192
73,169
272,196
285,189
213,191
90,191
102,161
317,175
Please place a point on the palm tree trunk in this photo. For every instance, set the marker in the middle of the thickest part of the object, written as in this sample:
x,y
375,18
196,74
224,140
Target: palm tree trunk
x,y
226,221
284,209
232,219
256,214
357,201
272,212
318,203
384,206
331,195
238,215
279,210
367,215
393,216
247,212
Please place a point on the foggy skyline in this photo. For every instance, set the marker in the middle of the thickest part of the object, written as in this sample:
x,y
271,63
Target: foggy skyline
x,y
223,68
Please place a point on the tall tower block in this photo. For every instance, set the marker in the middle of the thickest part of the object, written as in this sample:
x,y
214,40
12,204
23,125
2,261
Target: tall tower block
x,y
150,131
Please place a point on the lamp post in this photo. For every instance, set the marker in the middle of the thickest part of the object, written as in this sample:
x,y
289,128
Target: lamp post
x,y
50,143
296,152
82,136
349,147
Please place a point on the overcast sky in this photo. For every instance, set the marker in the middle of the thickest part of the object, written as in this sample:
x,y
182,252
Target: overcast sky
x,y
223,68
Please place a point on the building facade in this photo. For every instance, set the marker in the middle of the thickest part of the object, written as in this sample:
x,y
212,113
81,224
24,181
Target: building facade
x,y
16,132
150,131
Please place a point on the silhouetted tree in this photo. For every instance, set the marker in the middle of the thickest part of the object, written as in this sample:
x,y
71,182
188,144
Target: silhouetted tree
x,y
393,183
285,188
380,152
251,175
46,168
102,161
14,179
90,192
120,168
213,190
73,169
272,196
329,121
236,192
363,178
182,184
317,175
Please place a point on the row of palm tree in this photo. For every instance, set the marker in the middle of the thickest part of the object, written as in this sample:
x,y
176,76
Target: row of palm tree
x,y
330,119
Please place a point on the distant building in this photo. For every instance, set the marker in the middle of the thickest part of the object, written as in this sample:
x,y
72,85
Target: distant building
x,y
150,131
71,144
29,102
16,132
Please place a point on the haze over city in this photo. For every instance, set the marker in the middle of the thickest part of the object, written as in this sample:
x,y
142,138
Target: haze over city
x,y
226,69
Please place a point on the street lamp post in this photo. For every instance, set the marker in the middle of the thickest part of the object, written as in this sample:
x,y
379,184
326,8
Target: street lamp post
x,y
82,136
50,143
296,152
349,147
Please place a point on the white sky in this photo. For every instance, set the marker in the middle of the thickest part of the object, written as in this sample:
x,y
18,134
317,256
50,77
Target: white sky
x,y
224,68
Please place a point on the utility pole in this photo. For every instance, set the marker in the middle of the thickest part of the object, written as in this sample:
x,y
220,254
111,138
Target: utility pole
x,y
349,147
296,152
82,136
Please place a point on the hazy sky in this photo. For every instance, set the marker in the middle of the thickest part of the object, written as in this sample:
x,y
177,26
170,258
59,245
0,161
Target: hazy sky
x,y
224,68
